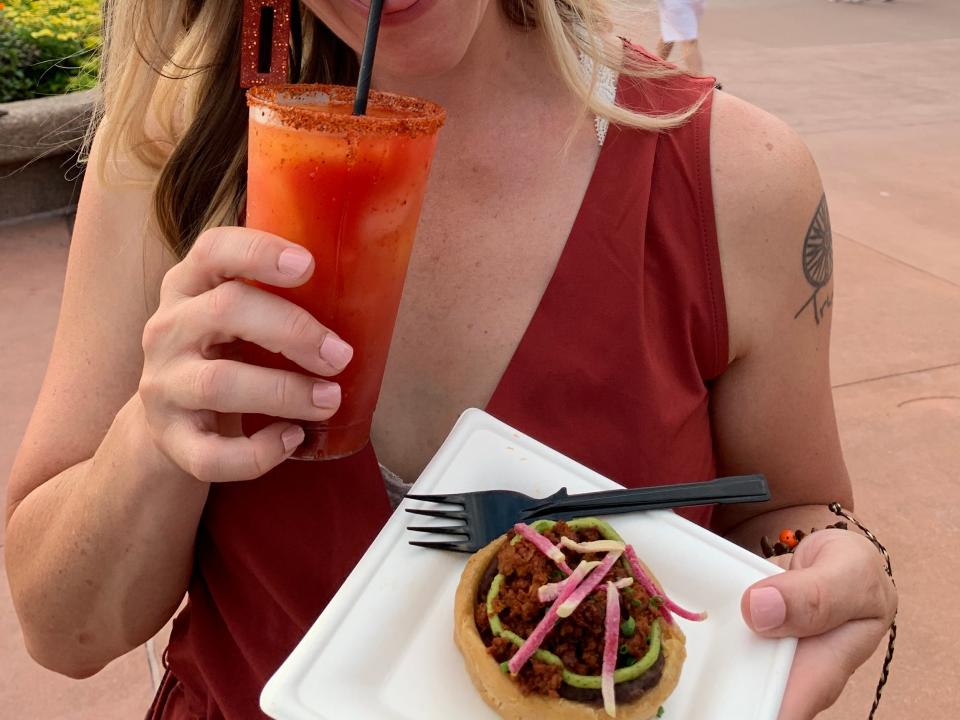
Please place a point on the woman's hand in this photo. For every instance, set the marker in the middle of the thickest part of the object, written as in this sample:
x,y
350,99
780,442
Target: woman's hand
x,y
837,598
193,395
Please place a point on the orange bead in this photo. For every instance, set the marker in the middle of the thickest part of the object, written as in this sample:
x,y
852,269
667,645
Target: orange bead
x,y
788,538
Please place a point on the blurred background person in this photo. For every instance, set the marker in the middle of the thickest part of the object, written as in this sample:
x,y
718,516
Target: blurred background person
x,y
679,25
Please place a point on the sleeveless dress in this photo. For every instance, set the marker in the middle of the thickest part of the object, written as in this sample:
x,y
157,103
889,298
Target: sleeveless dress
x,y
613,370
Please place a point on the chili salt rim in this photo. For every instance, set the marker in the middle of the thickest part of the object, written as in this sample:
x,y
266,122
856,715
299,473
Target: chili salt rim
x,y
427,117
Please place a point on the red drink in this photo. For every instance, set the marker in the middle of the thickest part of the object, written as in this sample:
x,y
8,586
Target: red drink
x,y
349,189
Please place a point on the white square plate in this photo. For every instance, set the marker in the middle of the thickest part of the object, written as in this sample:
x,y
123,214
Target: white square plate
x,y
383,648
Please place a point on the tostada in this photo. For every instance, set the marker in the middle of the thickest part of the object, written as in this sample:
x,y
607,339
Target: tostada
x,y
562,620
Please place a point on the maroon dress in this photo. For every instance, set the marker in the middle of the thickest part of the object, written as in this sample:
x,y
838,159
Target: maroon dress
x,y
613,371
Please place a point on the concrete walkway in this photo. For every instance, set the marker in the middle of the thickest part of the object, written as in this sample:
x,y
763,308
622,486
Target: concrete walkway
x,y
33,260
875,91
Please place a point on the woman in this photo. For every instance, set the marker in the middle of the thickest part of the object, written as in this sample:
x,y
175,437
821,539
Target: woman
x,y
652,334
680,23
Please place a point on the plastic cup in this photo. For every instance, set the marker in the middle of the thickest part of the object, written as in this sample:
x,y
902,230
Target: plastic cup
x,y
349,189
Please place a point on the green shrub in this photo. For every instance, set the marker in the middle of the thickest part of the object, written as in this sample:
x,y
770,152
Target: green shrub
x,y
15,55
56,45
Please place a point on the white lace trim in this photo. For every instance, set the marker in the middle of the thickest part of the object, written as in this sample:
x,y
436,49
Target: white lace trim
x,y
606,89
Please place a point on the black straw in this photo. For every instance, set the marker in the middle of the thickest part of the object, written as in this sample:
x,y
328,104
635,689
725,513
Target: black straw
x,y
366,60
296,42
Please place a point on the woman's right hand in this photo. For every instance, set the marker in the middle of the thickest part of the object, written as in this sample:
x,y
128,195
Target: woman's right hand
x,y
193,395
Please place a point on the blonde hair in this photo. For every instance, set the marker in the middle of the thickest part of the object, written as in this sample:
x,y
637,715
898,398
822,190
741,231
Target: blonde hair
x,y
170,95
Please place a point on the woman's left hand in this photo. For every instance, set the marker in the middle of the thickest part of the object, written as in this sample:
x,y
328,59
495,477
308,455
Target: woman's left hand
x,y
836,597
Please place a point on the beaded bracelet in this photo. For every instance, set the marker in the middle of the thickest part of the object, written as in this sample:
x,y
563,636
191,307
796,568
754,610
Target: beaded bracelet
x,y
788,541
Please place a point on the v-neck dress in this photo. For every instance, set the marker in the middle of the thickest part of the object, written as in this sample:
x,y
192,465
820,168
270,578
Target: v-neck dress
x,y
613,370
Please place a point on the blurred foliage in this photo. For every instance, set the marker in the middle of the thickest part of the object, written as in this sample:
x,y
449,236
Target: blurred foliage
x,y
15,55
48,47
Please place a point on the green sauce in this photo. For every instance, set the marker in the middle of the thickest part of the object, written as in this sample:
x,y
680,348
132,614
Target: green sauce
x,y
592,682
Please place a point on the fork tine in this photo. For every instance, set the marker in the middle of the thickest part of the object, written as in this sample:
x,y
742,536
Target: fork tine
x,y
446,529
448,499
444,514
455,546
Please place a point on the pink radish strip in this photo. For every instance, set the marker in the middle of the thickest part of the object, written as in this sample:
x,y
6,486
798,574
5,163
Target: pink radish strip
x,y
588,585
653,591
619,584
611,637
548,592
685,614
543,545
645,582
594,546
533,643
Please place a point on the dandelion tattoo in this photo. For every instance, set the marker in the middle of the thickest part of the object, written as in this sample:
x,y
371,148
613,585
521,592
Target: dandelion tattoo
x,y
818,260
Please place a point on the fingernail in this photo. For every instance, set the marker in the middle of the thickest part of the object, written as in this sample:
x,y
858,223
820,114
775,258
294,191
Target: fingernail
x,y
326,395
767,608
293,262
335,351
292,437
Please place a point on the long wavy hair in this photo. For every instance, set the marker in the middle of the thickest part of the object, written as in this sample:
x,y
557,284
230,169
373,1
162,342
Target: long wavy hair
x,y
170,96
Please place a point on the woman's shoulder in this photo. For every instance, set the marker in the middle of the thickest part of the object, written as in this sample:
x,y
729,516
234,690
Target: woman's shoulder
x,y
766,191
745,137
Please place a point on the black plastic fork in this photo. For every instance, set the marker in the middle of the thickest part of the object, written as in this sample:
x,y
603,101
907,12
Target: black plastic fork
x,y
485,515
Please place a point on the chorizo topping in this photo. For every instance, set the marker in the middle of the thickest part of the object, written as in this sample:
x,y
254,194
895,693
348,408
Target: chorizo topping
x,y
559,625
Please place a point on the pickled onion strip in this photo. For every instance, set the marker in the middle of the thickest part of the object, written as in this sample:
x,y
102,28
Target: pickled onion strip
x,y
594,546
611,636
646,582
533,643
685,614
570,603
548,592
543,545
620,584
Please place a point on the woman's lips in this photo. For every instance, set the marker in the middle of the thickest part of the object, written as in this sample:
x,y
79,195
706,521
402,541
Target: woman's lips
x,y
397,12
391,6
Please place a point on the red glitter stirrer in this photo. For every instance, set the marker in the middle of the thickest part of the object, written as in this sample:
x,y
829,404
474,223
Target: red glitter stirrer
x,y
260,63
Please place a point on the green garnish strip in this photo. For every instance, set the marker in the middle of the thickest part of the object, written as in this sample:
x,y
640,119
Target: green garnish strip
x,y
592,682
495,625
589,682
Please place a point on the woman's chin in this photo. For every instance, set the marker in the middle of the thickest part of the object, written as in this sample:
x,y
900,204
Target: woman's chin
x,y
404,62
420,39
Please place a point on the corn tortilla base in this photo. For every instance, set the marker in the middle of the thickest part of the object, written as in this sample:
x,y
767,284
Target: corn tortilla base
x,y
503,694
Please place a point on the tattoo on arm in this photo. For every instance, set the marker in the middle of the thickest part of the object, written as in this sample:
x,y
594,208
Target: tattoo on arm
x,y
818,260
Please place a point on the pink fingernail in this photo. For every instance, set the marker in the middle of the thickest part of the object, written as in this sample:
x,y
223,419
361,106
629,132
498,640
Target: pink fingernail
x,y
767,608
293,262
292,437
335,351
326,395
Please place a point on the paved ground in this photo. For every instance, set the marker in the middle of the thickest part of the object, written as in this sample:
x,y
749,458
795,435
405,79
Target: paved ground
x,y
33,258
875,91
